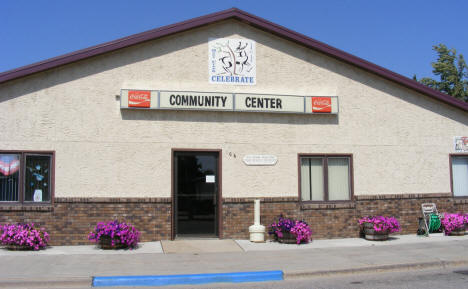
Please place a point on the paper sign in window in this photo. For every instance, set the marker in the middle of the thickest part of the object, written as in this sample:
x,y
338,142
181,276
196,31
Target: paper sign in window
x,y
37,196
321,104
210,179
139,98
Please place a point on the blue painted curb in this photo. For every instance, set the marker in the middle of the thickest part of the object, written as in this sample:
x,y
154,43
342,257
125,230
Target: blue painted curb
x,y
163,280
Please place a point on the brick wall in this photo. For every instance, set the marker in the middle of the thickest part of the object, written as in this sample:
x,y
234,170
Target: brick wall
x,y
406,208
238,214
70,220
336,220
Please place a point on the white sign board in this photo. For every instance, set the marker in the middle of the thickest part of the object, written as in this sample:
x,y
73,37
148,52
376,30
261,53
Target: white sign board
x,y
223,101
232,61
260,160
209,179
269,103
461,144
195,100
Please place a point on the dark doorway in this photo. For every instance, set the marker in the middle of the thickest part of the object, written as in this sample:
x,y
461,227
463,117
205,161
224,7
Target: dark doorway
x,y
196,186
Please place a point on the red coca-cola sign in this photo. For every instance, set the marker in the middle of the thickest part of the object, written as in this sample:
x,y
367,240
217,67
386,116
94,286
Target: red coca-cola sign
x,y
321,104
139,98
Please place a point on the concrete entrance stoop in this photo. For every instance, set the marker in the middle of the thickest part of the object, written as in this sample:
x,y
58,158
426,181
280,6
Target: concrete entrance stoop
x,y
200,246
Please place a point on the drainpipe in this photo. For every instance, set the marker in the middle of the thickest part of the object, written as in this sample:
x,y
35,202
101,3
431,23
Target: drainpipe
x,y
257,231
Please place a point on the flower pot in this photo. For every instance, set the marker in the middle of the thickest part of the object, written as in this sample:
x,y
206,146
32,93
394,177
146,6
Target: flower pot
x,y
458,232
288,238
373,235
14,247
105,242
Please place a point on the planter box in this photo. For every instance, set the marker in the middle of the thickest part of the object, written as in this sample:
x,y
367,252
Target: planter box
x,y
105,243
13,247
458,232
288,238
373,235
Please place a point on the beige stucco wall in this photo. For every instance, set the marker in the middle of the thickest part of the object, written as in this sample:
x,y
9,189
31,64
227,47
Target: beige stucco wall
x,y
400,140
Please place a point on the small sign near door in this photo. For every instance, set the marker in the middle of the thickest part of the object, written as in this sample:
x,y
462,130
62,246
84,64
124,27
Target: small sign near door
x,y
260,160
210,179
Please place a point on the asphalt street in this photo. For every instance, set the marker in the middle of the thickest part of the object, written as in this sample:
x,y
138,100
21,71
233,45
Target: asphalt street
x,y
327,264
448,278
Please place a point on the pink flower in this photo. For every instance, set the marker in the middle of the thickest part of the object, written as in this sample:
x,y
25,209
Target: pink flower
x,y
452,222
382,224
119,233
299,229
24,234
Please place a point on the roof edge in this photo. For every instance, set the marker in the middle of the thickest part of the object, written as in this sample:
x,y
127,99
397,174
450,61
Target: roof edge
x,y
353,60
114,45
251,19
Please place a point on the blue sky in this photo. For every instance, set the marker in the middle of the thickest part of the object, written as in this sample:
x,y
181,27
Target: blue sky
x,y
396,34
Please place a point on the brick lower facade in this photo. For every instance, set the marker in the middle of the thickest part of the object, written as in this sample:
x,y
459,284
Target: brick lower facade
x,y
70,220
336,220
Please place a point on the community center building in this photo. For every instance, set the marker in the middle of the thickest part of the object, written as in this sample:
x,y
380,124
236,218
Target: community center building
x,y
178,129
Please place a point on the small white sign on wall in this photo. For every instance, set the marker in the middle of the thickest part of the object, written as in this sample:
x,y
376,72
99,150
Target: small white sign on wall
x,y
210,179
260,160
232,61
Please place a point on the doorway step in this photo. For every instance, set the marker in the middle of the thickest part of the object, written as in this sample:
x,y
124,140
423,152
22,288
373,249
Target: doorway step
x,y
193,246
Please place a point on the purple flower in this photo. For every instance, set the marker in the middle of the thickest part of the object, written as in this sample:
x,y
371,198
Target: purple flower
x,y
382,223
452,222
299,229
119,233
24,235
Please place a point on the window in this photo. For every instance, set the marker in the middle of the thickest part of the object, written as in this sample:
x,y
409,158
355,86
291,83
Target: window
x,y
460,176
325,177
25,177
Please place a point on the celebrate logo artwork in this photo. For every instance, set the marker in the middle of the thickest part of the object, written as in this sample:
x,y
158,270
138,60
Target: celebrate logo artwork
x,y
232,61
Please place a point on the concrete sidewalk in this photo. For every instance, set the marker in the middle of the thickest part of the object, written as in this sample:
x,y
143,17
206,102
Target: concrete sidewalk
x,y
74,266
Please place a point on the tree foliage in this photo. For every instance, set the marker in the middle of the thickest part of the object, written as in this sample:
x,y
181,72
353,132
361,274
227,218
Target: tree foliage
x,y
452,71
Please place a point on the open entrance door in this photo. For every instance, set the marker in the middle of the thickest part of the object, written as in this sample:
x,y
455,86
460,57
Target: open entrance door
x,y
196,193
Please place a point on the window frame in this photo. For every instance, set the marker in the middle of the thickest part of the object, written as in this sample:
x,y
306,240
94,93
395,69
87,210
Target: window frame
x,y
451,156
325,177
22,177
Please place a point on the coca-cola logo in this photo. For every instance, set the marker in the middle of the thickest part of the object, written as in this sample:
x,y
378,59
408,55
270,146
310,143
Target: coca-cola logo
x,y
321,104
138,98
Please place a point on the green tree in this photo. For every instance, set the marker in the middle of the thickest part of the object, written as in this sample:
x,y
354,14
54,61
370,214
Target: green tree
x,y
452,71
